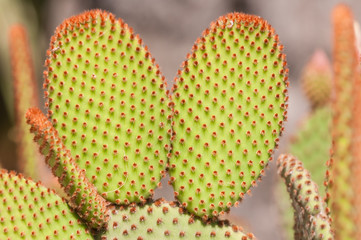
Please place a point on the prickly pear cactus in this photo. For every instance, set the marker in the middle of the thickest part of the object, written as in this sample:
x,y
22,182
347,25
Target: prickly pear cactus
x,y
317,79
110,124
311,220
229,108
107,99
28,210
162,220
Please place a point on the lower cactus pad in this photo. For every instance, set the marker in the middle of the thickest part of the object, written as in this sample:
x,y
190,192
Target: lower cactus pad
x,y
162,220
28,210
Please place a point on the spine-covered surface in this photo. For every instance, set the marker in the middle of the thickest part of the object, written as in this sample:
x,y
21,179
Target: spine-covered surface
x,y
311,219
83,196
230,103
162,220
108,101
28,210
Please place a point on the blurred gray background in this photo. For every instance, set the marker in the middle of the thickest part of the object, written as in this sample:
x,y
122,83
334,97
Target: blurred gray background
x,y
169,28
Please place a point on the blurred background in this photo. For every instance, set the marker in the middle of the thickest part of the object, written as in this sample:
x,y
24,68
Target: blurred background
x,y
169,28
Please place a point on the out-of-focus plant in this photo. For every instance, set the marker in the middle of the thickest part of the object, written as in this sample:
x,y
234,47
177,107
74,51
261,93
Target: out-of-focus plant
x,y
342,181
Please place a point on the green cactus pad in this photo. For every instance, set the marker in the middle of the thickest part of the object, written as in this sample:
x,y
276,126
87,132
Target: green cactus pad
x,y
107,99
311,220
82,195
230,106
312,144
162,220
28,210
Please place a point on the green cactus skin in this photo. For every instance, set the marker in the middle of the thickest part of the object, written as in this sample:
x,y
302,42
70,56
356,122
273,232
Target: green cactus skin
x,y
83,197
313,143
311,220
230,104
341,175
28,210
162,220
107,99
29,159
317,79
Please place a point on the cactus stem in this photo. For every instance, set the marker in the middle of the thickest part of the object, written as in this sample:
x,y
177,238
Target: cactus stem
x,y
311,220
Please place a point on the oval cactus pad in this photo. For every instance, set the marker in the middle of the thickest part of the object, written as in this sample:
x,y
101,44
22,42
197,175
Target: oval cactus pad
x,y
28,210
107,99
230,102
162,220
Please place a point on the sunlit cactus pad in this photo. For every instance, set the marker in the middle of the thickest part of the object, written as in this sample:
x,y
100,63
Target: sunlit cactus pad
x,y
28,210
162,220
230,105
107,99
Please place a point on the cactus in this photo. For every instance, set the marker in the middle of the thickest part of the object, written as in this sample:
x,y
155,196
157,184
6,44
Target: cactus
x,y
83,196
229,109
311,219
111,123
30,161
28,210
107,100
23,75
343,194
356,132
341,173
113,131
312,144
317,79
165,220
13,12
